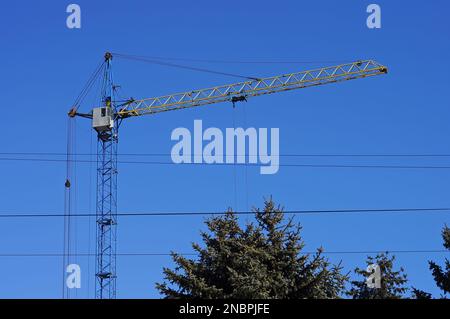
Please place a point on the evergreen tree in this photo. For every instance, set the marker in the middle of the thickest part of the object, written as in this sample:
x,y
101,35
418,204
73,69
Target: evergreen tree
x,y
264,259
441,276
392,284
420,294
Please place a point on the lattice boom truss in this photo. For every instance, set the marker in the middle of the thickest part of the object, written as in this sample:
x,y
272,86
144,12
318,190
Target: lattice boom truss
x,y
241,90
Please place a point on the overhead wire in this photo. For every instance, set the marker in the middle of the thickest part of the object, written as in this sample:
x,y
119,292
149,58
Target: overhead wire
x,y
212,213
281,155
248,164
341,252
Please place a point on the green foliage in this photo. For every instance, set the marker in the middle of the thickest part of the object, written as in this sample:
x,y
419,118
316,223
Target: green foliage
x,y
441,276
420,294
264,259
392,282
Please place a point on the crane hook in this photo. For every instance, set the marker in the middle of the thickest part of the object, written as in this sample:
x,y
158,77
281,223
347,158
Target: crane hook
x,y
235,99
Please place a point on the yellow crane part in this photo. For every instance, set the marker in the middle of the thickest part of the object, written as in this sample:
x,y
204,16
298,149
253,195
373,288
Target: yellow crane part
x,y
243,90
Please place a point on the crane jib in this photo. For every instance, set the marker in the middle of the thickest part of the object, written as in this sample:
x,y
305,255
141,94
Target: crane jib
x,y
241,91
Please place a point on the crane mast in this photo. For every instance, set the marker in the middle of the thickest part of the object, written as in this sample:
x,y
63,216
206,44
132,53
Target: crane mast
x,y
107,127
107,118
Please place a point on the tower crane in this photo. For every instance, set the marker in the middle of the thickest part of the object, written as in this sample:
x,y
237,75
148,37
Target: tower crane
x,y
107,118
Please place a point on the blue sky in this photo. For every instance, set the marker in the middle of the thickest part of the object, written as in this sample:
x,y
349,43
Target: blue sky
x,y
44,66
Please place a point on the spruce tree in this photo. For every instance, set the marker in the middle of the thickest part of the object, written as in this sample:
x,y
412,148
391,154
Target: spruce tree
x,y
392,285
420,294
441,275
264,259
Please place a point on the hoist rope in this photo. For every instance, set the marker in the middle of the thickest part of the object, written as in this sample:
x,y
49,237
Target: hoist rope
x,y
67,204
70,181
234,162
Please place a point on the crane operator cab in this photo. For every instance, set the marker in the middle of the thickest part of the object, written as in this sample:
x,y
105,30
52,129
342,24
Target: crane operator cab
x,y
102,117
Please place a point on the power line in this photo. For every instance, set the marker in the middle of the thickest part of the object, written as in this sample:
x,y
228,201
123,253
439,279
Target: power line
x,y
288,212
281,155
194,254
232,164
